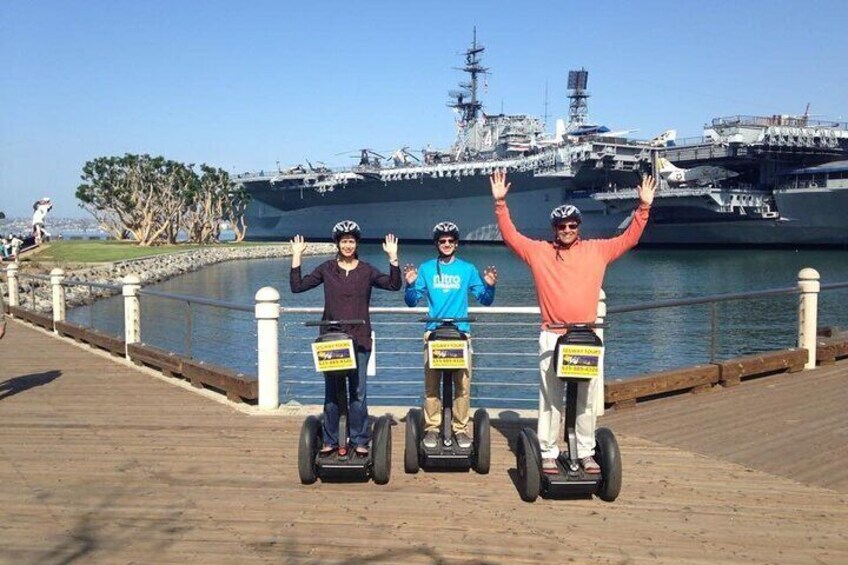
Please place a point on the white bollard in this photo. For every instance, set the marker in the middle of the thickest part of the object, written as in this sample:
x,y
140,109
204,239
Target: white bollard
x,y
267,332
56,278
132,310
808,313
12,283
599,390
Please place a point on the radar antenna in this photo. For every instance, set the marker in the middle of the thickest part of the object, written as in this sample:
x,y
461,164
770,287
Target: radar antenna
x,y
578,108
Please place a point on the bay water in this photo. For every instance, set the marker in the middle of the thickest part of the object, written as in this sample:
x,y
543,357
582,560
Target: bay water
x,y
505,347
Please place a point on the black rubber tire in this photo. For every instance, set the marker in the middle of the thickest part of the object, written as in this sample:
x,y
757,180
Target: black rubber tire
x,y
411,458
482,442
307,449
609,459
381,451
529,467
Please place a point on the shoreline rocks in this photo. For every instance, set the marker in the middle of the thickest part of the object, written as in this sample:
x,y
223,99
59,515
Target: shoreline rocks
x,y
150,270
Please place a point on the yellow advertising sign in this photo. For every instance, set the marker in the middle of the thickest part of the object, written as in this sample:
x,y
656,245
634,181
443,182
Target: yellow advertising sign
x,y
579,361
448,354
335,355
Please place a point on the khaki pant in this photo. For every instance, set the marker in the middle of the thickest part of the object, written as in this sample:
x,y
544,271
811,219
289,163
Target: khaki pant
x,y
551,389
433,398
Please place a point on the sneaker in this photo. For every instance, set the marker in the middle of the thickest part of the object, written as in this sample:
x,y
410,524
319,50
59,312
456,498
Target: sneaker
x,y
431,439
463,440
549,466
590,465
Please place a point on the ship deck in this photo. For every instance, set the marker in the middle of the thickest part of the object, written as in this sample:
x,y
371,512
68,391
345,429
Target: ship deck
x,y
103,462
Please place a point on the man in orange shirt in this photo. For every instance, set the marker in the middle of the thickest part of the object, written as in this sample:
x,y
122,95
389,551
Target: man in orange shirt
x,y
568,273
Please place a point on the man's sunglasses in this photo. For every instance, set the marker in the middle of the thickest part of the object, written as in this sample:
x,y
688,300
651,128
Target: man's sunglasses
x,y
447,241
570,225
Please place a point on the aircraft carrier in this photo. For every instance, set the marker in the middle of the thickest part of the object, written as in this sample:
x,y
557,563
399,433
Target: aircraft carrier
x,y
747,181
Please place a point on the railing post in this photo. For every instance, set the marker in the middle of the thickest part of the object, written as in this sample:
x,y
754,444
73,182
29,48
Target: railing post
x,y
132,310
267,331
56,278
12,283
599,389
808,308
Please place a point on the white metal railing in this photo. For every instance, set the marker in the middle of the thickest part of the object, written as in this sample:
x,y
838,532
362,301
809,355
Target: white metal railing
x,y
504,337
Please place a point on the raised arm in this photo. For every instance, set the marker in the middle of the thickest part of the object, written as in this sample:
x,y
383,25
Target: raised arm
x,y
483,288
617,246
514,240
297,282
415,287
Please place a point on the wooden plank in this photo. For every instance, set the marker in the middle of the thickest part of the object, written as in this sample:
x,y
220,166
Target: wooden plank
x,y
100,463
621,393
732,371
103,464
237,386
43,320
112,344
828,350
166,361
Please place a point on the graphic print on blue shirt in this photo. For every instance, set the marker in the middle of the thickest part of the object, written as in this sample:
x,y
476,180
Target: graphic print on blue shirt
x,y
447,288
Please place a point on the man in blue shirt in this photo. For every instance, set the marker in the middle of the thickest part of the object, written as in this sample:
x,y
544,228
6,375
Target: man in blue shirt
x,y
446,282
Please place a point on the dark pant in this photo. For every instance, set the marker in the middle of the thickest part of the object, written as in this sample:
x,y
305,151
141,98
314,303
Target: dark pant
x,y
357,413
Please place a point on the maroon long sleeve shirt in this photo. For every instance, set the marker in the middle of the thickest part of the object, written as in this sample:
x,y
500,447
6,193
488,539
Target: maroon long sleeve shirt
x,y
347,295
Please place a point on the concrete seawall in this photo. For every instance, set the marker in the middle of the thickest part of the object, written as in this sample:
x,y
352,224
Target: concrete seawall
x,y
150,270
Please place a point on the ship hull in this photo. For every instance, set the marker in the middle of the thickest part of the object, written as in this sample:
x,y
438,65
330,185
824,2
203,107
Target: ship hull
x,y
409,209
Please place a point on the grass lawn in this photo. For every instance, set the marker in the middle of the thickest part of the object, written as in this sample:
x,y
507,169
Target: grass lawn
x,y
104,251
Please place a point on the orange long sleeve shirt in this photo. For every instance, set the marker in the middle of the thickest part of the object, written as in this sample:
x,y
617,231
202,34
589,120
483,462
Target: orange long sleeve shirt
x,y
568,281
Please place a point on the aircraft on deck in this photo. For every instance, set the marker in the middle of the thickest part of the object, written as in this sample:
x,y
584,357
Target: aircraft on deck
x,y
698,176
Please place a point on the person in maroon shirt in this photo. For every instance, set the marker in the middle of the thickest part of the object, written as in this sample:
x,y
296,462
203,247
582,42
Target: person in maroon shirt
x,y
347,296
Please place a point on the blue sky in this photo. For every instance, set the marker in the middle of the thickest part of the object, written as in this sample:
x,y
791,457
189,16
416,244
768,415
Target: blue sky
x,y
242,85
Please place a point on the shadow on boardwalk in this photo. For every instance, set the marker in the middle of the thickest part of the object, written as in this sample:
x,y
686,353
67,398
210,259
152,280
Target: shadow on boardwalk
x,y
15,385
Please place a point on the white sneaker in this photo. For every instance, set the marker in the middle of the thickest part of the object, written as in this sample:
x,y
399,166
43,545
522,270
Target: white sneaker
x,y
431,439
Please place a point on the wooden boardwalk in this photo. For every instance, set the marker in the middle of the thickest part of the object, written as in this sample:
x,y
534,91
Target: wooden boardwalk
x,y
103,463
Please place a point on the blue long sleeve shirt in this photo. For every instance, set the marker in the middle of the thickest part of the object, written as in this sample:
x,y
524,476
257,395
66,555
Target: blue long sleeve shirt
x,y
447,288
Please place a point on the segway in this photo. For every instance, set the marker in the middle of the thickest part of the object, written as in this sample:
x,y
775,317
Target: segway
x,y
335,357
448,352
577,356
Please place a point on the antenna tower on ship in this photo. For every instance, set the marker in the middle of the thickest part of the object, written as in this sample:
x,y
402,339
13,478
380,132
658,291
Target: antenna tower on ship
x,y
578,108
465,101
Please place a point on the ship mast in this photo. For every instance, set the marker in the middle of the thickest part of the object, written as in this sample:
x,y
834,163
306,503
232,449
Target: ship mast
x,y
465,101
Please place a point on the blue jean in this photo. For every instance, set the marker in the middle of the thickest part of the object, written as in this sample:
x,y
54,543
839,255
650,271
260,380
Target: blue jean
x,y
357,413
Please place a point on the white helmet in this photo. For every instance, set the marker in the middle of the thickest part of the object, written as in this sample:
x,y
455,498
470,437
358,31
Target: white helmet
x,y
445,228
565,212
346,227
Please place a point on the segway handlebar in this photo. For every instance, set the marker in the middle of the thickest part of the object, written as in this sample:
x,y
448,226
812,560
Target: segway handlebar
x,y
447,320
571,326
335,323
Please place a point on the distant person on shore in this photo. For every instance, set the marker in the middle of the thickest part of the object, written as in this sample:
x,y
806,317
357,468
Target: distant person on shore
x,y
2,316
347,296
568,272
15,243
446,281
40,209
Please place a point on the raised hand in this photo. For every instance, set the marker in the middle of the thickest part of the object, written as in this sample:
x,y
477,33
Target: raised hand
x,y
410,273
647,190
499,185
390,246
298,245
490,275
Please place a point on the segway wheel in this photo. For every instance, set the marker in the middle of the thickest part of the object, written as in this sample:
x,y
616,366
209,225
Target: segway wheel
x,y
482,442
609,459
307,449
411,461
529,468
381,451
